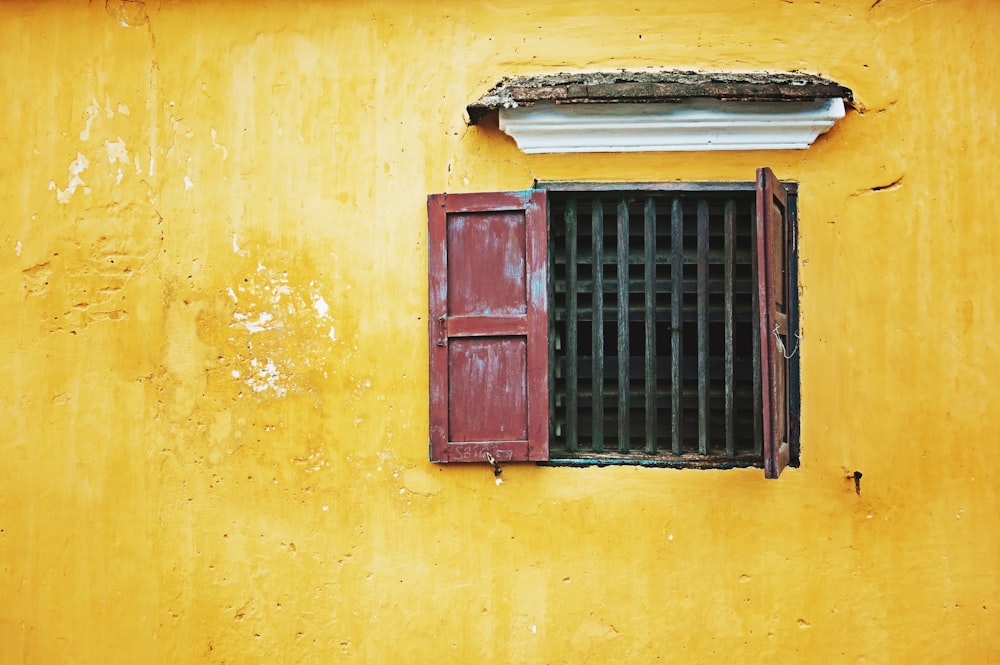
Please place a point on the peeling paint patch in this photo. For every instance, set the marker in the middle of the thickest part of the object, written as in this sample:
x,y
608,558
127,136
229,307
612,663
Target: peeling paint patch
x,y
322,309
282,333
74,181
312,462
266,377
36,279
187,183
128,13
218,146
116,151
17,251
91,111
260,325
82,284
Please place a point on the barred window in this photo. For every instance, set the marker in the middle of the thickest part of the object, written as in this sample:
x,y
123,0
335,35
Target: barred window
x,y
616,324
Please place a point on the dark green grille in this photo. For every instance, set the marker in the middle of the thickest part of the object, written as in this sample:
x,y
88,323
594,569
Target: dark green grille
x,y
652,321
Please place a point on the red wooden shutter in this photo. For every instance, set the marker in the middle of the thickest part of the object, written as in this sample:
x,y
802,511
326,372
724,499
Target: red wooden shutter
x,y
488,327
771,236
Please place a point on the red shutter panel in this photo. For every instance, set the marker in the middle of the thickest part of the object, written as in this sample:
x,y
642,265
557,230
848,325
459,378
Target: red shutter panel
x,y
488,327
771,240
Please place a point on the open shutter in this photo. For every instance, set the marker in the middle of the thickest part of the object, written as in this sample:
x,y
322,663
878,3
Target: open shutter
x,y
772,252
488,327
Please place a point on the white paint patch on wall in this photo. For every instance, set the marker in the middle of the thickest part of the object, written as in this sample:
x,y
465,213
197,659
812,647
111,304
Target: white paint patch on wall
x,y
74,181
262,323
266,377
322,309
17,248
283,332
280,290
116,151
312,462
92,110
218,146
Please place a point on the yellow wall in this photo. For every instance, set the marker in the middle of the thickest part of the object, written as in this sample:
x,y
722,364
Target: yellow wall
x,y
213,346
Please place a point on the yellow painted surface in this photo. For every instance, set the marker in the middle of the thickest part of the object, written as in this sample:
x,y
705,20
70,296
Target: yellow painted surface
x,y
214,361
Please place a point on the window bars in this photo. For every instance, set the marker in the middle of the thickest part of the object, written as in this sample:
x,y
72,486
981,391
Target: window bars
x,y
653,344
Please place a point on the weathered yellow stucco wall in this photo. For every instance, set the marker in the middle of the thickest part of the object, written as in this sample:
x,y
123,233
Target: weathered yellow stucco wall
x,y
214,360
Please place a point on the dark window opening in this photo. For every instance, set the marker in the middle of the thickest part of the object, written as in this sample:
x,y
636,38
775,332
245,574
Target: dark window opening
x,y
653,331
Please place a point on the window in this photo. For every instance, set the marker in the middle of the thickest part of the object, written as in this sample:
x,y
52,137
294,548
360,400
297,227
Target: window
x,y
616,324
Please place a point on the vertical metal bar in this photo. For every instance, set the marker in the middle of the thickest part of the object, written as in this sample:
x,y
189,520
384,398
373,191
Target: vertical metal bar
x,y
728,259
572,385
703,327
597,325
623,346
758,398
676,321
649,249
794,403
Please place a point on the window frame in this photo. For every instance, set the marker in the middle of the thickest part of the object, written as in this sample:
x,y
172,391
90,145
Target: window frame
x,y
538,195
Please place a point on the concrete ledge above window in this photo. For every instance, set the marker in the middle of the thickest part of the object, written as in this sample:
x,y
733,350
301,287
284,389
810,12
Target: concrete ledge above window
x,y
663,111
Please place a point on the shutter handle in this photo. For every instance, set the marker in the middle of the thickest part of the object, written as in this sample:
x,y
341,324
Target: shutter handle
x,y
442,332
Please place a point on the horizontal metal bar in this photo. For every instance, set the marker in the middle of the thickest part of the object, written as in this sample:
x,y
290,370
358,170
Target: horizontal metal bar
x,y
638,285
689,314
645,187
743,367
665,462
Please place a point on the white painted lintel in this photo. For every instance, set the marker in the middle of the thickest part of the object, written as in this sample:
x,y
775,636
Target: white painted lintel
x,y
695,124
